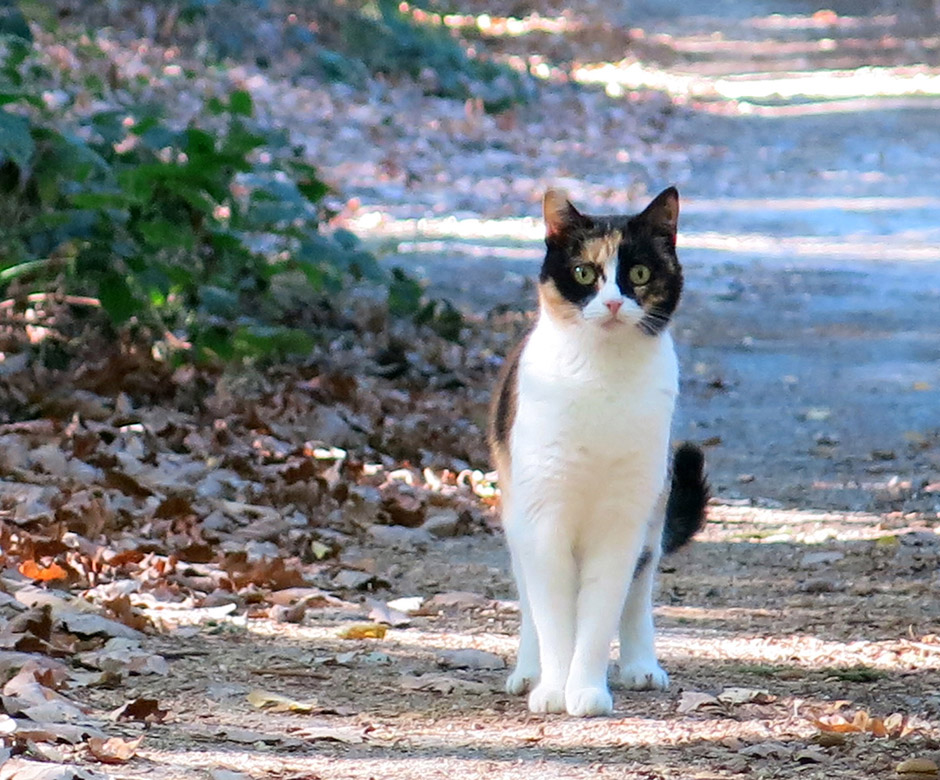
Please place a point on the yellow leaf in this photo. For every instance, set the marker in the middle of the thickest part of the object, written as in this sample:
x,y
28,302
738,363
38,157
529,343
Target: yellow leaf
x,y
320,550
887,541
364,631
921,385
274,702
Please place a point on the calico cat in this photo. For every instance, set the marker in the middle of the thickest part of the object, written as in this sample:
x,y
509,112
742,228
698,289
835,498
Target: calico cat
x,y
579,431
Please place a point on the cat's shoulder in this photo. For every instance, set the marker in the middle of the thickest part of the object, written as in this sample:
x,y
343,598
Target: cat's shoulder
x,y
505,397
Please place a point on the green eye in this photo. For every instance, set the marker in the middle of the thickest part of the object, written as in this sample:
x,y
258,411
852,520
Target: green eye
x,y
584,274
639,275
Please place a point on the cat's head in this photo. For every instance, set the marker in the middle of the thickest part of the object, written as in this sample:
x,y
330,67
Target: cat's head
x,y
611,272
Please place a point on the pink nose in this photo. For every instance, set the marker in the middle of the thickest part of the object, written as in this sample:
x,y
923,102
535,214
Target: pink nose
x,y
614,306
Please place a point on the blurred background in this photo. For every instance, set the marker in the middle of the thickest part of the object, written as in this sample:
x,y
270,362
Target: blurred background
x,y
209,172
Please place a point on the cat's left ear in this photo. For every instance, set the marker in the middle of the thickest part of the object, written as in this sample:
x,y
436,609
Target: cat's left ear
x,y
560,216
663,212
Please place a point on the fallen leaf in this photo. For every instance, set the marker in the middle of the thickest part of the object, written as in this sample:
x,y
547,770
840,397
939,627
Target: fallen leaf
x,y
120,655
36,571
380,612
114,750
21,769
275,702
364,631
745,696
440,683
408,604
766,750
810,756
88,624
917,766
147,710
692,701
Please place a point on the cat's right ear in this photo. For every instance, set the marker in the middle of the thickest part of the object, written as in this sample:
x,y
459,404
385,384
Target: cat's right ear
x,y
560,216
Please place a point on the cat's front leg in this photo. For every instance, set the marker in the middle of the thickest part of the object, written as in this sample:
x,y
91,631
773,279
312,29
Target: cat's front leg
x,y
525,675
547,567
639,669
603,588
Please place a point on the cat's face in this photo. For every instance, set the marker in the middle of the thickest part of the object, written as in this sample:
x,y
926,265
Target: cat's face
x,y
611,272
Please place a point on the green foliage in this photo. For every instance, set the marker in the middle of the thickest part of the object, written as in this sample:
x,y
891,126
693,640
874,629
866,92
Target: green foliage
x,y
384,40
406,299
178,231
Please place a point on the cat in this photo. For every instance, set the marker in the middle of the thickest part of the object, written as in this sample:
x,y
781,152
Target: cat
x,y
579,432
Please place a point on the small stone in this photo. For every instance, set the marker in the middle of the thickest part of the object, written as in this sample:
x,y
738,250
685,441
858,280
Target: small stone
x,y
443,523
400,537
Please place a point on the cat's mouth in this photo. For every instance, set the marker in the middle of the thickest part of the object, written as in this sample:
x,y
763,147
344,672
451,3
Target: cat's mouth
x,y
612,322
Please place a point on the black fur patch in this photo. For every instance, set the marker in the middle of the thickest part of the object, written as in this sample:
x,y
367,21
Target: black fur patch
x,y
503,408
688,495
642,562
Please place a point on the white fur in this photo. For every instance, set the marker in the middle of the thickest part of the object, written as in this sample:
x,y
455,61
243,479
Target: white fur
x,y
588,462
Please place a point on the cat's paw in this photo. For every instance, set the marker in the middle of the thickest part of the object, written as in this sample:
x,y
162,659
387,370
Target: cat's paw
x,y
546,699
520,681
644,676
589,702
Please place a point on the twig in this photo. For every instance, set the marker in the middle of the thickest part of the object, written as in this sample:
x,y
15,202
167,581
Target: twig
x,y
286,672
72,300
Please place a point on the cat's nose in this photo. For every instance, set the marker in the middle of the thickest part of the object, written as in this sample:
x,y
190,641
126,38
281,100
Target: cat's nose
x,y
614,306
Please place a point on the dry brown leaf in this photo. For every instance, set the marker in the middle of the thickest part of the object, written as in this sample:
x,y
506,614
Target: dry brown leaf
x,y
745,696
36,571
895,725
147,710
364,631
691,701
114,750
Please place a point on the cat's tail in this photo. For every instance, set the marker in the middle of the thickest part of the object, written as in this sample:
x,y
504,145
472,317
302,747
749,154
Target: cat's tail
x,y
688,495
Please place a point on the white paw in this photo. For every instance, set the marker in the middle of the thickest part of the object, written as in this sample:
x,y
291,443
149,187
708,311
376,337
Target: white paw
x,y
546,699
644,676
520,681
589,702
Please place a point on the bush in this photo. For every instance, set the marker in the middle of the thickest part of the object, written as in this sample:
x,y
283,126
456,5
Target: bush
x,y
177,231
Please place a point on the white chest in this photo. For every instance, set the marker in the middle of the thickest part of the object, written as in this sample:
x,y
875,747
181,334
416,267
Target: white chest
x,y
596,411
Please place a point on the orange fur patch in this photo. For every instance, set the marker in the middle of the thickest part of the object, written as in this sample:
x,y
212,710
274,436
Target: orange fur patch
x,y
598,251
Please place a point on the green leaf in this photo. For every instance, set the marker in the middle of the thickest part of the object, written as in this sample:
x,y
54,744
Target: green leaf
x,y
16,143
240,103
404,294
161,233
268,340
116,298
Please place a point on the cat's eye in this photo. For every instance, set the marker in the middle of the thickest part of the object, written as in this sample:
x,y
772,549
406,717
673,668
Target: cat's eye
x,y
584,274
639,275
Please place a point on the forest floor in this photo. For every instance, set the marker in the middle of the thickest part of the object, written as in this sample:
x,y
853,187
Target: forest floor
x,y
266,583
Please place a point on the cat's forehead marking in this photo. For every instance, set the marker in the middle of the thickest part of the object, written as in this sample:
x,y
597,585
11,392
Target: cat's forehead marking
x,y
601,249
